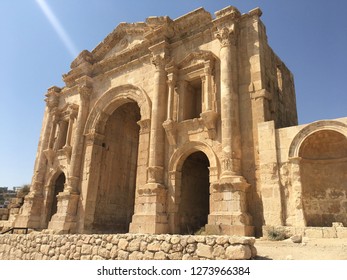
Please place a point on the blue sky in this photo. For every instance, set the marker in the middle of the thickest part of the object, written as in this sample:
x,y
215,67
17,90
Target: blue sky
x,y
309,36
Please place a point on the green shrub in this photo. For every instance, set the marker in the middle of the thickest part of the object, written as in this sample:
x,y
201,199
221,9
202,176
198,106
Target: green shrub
x,y
276,234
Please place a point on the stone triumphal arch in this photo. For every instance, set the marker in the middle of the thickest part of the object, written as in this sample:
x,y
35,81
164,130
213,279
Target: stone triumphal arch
x,y
183,126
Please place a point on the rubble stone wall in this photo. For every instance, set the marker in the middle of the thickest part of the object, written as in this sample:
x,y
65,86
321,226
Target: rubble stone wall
x,y
38,246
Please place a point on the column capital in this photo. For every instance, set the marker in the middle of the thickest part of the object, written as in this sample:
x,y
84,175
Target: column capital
x,y
227,36
52,97
85,87
94,138
159,62
73,110
145,126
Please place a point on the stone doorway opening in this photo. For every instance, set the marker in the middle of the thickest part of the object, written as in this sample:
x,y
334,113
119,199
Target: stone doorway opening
x,y
117,182
194,205
324,178
57,188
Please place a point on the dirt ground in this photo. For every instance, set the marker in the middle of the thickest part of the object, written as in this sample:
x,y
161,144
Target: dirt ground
x,y
309,249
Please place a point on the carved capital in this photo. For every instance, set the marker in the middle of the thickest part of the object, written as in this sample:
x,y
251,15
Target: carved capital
x,y
73,110
170,129
85,92
52,97
50,155
94,138
155,174
227,36
85,87
145,126
159,62
210,120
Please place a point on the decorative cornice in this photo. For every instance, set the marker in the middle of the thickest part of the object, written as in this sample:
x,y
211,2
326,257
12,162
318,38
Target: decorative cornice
x,y
85,57
230,12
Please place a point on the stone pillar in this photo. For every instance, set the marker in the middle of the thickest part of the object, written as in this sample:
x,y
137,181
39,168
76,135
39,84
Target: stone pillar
x,y
207,86
31,211
157,139
269,179
228,204
150,215
182,87
84,90
73,110
299,217
62,133
90,181
65,218
208,114
170,124
231,139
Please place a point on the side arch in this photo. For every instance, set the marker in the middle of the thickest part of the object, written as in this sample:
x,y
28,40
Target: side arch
x,y
302,135
111,100
317,174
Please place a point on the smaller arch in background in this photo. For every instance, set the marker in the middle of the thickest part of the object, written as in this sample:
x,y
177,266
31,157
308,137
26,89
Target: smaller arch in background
x,y
308,130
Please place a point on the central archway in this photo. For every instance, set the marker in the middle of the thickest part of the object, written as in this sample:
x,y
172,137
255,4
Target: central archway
x,y
193,208
117,182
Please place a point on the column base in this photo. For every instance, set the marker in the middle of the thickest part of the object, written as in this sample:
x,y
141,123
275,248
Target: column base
x,y
31,211
64,221
150,210
229,208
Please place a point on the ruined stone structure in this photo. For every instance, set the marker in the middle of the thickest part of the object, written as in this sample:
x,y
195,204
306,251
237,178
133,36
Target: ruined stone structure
x,y
171,125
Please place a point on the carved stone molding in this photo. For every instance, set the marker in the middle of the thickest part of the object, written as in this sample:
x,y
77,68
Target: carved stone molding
x,y
229,11
152,189
227,36
210,121
67,150
155,174
52,97
235,183
158,61
94,138
50,155
145,126
170,129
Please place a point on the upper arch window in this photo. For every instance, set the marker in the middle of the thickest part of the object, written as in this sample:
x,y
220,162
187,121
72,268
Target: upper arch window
x,y
195,85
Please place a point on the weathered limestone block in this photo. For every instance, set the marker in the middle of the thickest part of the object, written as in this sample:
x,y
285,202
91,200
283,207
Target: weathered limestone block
x,y
154,246
134,245
238,252
122,244
114,253
204,251
123,255
165,246
160,256
175,256
218,251
135,255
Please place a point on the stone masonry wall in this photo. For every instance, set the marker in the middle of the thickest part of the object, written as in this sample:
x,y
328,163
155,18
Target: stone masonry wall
x,y
38,246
